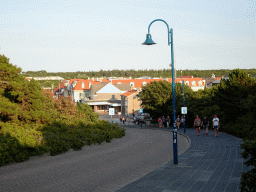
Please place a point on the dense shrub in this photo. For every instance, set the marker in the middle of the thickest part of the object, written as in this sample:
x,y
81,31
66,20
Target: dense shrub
x,y
249,178
32,122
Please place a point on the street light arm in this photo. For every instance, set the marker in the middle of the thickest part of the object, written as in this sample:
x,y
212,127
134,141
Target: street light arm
x,y
167,29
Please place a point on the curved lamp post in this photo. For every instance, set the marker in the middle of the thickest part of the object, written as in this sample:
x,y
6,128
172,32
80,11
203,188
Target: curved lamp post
x,y
149,41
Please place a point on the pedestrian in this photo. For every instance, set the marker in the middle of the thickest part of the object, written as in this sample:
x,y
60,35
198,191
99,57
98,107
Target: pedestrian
x,y
205,125
135,119
163,121
178,122
159,122
182,122
167,121
123,120
197,123
120,119
215,125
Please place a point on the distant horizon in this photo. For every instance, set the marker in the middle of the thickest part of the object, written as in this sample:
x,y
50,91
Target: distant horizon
x,y
139,69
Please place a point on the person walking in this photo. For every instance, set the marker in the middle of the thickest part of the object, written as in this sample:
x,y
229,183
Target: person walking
x,y
123,120
197,124
205,125
215,125
167,121
159,122
182,122
178,122
163,121
135,119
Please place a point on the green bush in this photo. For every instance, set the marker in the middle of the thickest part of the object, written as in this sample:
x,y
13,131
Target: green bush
x,y
249,178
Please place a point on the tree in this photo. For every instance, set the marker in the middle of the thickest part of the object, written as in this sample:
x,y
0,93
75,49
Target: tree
x,y
157,98
249,178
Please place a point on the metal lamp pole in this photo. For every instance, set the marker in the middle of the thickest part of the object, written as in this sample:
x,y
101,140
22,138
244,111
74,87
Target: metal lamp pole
x,y
184,106
149,41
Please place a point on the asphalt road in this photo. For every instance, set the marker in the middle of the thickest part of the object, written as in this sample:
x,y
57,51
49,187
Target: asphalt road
x,y
106,167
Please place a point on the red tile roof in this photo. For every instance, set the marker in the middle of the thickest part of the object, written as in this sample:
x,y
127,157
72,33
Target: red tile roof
x,y
85,81
128,93
138,83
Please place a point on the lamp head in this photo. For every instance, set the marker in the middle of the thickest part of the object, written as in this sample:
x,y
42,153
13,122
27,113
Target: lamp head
x,y
148,41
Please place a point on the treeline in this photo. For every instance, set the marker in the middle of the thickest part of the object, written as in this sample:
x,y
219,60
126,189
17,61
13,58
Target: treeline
x,y
233,101
164,73
32,122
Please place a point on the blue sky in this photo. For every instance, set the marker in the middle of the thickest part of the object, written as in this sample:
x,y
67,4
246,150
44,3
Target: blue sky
x,y
68,35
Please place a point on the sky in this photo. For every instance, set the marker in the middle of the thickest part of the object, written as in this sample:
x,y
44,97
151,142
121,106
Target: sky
x,y
85,35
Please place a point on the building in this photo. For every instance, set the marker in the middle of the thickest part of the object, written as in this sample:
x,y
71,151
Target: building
x,y
106,95
130,103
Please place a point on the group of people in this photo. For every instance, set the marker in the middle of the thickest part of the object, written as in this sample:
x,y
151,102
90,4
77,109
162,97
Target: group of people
x,y
204,124
162,121
137,120
198,124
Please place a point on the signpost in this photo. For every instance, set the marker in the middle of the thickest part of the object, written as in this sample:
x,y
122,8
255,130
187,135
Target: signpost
x,y
184,110
111,112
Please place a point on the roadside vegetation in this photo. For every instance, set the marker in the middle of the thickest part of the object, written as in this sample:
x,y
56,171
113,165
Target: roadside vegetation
x,y
233,101
164,73
32,122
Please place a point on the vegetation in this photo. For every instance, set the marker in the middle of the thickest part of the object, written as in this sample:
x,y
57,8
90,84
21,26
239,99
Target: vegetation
x,y
32,122
164,73
233,100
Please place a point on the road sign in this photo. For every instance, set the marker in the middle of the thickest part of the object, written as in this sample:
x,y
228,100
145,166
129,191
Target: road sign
x,y
140,110
183,110
111,111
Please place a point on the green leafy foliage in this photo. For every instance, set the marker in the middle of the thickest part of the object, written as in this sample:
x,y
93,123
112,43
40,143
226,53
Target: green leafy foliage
x,y
249,178
164,73
32,122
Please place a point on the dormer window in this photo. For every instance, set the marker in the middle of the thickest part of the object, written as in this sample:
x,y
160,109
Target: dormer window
x,y
193,83
132,84
119,83
82,85
200,83
187,83
144,83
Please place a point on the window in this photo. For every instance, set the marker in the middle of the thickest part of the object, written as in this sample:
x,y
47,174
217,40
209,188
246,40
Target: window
x,y
187,83
193,83
132,84
200,83
144,83
82,85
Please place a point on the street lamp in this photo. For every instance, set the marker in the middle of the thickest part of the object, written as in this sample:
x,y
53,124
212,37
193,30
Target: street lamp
x,y
149,41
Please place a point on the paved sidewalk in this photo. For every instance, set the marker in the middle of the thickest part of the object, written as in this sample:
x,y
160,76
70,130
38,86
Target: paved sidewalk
x,y
211,164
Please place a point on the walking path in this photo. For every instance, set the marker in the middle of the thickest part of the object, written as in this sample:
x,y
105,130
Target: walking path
x,y
211,164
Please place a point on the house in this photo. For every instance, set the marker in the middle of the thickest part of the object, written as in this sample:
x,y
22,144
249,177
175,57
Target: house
x,y
79,89
134,83
210,81
106,95
59,90
45,78
130,103
195,83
